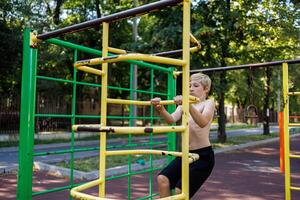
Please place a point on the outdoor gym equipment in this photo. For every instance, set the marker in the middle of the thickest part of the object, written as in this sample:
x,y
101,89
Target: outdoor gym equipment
x,y
28,114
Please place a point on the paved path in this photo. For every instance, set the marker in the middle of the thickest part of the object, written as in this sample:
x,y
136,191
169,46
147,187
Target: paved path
x,y
9,156
247,174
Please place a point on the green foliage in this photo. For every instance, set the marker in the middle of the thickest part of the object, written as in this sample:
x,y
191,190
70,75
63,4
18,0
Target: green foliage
x,y
230,34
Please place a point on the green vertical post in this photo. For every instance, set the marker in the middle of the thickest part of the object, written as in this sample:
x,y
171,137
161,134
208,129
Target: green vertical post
x,y
132,122
171,108
151,134
26,135
73,122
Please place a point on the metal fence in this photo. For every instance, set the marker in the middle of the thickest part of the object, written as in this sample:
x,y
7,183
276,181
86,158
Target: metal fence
x,y
9,114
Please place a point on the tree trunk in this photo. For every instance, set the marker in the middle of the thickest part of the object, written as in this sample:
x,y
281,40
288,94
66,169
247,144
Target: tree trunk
x,y
56,14
225,53
222,117
266,109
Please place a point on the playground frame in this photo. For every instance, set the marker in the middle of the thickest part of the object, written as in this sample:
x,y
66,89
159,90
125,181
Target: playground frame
x,y
29,91
28,114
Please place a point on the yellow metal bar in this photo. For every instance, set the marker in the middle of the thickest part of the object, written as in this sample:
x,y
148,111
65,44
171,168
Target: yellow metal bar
x,y
192,156
194,49
133,102
115,50
177,197
295,188
192,99
194,40
33,40
128,130
76,191
85,186
294,93
90,70
132,56
185,95
294,156
102,149
294,124
286,130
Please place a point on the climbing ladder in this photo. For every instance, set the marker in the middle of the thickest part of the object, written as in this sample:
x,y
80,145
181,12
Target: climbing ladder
x,y
287,124
85,65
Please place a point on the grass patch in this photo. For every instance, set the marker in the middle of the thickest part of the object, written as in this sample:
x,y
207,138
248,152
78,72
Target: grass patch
x,y
242,139
238,126
91,164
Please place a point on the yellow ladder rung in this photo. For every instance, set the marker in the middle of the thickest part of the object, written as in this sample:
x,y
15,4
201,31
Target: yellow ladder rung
x,y
294,93
128,130
90,70
192,156
294,124
131,56
116,50
177,197
147,103
294,156
295,188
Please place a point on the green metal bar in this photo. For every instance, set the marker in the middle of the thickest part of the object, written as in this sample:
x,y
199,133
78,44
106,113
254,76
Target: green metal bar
x,y
99,53
151,135
171,108
131,123
28,95
73,121
149,196
133,173
53,115
108,179
51,190
97,85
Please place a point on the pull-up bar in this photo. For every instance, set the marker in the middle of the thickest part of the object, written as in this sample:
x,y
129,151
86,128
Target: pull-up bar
x,y
257,65
111,18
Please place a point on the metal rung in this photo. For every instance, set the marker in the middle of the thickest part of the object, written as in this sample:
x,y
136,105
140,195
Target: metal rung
x,y
131,56
128,130
294,124
192,100
192,156
90,70
294,156
295,188
294,93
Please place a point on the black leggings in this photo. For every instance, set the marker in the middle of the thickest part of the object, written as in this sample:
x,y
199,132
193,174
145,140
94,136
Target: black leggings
x,y
199,170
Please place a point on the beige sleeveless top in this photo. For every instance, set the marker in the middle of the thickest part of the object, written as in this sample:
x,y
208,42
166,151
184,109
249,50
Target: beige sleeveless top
x,y
199,137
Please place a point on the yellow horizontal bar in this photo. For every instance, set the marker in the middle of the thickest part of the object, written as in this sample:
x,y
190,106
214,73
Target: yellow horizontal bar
x,y
128,130
146,103
177,197
294,124
295,188
90,70
294,93
194,49
192,156
133,56
76,191
115,50
194,40
294,156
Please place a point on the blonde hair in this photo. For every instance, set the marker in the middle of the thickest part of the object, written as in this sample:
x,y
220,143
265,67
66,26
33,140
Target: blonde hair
x,y
203,79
